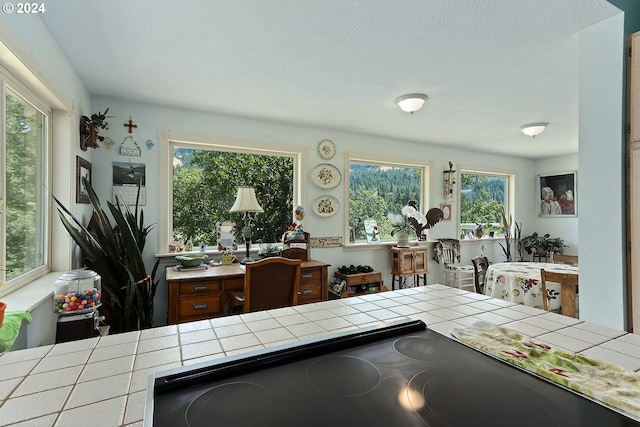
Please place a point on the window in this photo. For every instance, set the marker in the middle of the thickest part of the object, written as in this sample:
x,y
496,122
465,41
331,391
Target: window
x,y
377,188
24,219
483,196
204,180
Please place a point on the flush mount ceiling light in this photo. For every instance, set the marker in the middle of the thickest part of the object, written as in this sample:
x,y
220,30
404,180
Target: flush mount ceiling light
x,y
412,102
533,129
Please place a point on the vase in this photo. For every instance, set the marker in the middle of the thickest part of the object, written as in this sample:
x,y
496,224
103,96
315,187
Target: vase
x,y
403,239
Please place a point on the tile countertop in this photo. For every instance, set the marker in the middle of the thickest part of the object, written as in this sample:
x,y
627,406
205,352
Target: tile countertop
x,y
103,379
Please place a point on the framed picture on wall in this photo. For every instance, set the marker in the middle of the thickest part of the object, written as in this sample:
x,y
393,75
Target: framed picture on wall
x,y
83,170
557,195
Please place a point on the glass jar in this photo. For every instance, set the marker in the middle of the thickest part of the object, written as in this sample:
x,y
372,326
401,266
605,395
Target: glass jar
x,y
77,291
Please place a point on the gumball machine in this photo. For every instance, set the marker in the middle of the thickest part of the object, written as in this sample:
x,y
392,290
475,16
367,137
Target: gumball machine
x,y
76,299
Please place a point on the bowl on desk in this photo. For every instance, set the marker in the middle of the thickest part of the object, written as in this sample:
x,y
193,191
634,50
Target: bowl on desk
x,y
189,261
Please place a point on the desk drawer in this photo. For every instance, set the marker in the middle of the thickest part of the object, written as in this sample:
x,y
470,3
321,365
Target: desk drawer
x,y
309,292
200,288
310,276
203,307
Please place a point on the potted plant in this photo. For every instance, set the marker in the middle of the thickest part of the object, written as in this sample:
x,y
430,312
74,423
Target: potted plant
x,y
114,251
542,245
401,224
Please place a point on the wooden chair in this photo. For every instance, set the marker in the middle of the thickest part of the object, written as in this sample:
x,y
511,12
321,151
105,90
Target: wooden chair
x,y
480,265
297,247
269,283
447,254
568,290
558,258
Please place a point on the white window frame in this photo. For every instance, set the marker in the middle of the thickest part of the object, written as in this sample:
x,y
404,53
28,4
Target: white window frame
x,y
170,140
382,160
509,191
7,80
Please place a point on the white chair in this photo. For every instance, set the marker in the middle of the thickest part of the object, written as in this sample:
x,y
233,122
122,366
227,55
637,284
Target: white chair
x,y
447,254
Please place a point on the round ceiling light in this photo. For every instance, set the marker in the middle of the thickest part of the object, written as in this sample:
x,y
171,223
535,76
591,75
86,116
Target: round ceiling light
x,y
533,129
412,102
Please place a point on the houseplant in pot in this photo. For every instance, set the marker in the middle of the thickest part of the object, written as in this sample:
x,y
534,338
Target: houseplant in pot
x,y
114,251
543,245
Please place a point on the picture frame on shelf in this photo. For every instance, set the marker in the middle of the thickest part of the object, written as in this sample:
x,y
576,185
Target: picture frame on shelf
x,y
557,195
83,170
226,235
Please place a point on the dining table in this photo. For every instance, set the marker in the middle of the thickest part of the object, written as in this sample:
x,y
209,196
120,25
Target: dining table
x,y
519,282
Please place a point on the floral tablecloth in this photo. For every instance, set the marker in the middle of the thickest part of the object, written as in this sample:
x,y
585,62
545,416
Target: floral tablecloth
x,y
608,384
519,282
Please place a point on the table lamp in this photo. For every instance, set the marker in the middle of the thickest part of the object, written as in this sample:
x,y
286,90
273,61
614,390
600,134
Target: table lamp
x,y
246,202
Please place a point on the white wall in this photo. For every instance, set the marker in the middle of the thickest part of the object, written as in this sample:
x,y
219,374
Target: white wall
x,y
153,118
601,176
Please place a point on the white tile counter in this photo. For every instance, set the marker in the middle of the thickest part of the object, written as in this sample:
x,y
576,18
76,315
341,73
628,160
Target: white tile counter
x,y
101,381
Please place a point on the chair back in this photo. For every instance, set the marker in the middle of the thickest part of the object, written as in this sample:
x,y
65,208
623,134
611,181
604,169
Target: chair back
x,y
271,283
480,266
557,258
568,290
447,251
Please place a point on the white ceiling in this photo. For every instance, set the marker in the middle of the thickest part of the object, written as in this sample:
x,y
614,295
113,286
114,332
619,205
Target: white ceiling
x,y
488,66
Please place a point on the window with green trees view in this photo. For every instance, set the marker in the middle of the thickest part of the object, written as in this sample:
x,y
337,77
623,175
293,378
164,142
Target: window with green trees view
x,y
377,189
482,198
24,241
205,183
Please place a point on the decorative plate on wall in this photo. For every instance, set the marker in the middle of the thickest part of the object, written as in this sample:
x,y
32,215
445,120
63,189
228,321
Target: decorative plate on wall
x,y
326,206
326,176
326,149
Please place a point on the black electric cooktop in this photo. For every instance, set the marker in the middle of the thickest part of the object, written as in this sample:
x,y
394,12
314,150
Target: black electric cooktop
x,y
399,375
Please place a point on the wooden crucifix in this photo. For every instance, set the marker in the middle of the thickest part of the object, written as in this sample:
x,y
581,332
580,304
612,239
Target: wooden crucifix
x,y
130,125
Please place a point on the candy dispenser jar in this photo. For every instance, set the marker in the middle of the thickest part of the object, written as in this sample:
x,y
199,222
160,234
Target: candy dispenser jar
x,y
76,292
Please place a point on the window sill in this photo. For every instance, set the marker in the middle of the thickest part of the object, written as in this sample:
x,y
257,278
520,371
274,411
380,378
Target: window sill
x,y
365,246
30,296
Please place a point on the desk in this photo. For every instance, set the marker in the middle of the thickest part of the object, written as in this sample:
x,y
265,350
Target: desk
x,y
202,294
519,282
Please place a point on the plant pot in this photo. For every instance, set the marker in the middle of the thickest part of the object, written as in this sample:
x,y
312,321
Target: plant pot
x,y
3,307
403,239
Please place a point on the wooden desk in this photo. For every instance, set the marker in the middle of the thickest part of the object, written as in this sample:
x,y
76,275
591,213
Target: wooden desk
x,y
202,294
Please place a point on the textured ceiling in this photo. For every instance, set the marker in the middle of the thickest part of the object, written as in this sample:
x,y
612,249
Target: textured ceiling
x,y
488,66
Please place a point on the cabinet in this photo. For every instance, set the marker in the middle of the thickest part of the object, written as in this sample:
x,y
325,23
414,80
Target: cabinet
x,y
361,283
202,294
406,262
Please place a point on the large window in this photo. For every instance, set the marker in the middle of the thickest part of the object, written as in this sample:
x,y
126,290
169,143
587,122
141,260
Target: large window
x,y
204,182
23,183
483,196
377,188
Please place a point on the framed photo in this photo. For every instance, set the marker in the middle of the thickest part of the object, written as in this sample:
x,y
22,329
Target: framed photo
x,y
557,195
83,169
372,231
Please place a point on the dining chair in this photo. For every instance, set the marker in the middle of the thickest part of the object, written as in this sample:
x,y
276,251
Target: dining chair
x,y
480,266
558,258
447,254
568,290
269,283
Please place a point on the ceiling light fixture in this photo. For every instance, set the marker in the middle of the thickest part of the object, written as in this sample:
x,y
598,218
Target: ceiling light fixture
x,y
533,129
412,102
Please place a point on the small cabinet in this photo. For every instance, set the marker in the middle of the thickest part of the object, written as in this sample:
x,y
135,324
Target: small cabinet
x,y
361,283
405,262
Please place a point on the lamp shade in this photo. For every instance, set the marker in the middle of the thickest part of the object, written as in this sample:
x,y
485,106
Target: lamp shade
x,y
412,102
533,129
246,201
